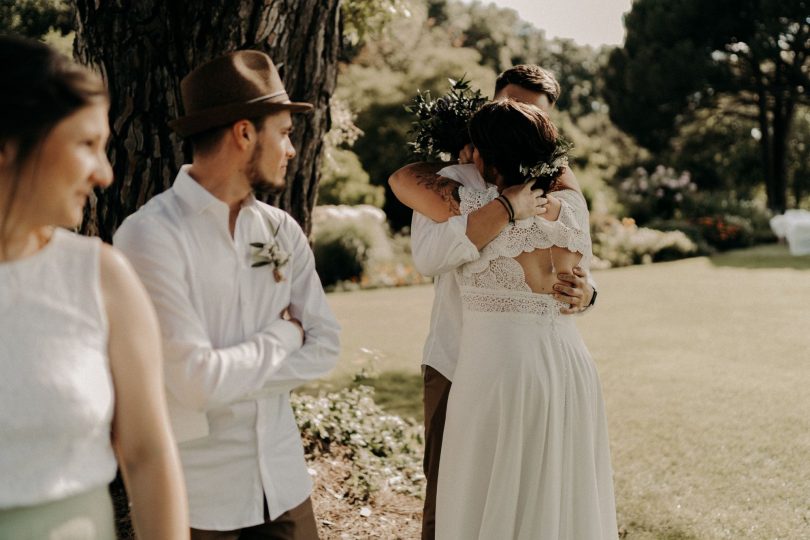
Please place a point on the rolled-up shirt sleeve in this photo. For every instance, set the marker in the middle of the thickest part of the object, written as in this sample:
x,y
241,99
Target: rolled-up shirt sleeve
x,y
440,247
198,375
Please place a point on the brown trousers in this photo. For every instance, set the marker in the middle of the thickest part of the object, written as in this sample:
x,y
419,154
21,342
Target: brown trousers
x,y
295,524
436,388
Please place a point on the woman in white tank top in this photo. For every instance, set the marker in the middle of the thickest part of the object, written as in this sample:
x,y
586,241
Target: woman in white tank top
x,y
80,360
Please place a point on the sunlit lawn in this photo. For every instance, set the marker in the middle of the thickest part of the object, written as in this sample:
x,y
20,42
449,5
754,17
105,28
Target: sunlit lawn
x,y
705,365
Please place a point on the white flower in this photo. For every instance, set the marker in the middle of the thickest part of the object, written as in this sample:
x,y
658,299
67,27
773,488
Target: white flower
x,y
556,161
270,254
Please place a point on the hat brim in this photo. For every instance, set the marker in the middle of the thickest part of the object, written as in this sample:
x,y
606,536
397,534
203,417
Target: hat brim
x,y
200,121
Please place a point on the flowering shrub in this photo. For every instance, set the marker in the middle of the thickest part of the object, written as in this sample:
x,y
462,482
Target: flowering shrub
x,y
354,248
344,238
729,209
657,195
623,243
726,231
384,449
719,219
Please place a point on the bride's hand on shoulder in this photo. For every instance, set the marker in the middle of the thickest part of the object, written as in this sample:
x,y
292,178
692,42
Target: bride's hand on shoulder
x,y
526,202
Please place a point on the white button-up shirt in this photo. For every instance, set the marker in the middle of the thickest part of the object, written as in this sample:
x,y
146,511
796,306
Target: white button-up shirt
x,y
437,250
230,359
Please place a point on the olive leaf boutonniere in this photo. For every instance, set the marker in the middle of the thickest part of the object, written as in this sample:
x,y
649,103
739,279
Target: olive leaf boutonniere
x,y
270,253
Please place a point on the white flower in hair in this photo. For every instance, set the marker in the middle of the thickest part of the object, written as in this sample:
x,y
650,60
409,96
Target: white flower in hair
x,y
557,161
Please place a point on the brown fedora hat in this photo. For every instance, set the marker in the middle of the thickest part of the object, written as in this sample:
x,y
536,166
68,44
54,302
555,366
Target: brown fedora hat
x,y
238,85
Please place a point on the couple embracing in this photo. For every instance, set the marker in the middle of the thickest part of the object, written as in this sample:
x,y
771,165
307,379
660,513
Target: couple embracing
x,y
521,430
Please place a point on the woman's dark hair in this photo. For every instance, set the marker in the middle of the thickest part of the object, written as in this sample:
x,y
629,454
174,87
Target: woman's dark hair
x,y
39,88
508,134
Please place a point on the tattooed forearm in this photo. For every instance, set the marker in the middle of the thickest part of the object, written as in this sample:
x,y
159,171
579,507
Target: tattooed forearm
x,y
448,190
425,173
417,185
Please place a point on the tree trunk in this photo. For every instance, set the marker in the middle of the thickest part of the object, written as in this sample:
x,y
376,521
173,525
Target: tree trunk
x,y
765,129
784,105
143,49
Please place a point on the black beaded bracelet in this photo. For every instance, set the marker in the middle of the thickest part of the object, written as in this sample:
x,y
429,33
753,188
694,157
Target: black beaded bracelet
x,y
509,208
505,207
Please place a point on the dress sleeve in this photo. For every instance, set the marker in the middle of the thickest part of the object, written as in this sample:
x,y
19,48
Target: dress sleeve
x,y
570,230
471,199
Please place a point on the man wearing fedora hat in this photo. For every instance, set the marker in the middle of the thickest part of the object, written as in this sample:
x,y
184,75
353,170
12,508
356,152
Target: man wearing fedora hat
x,y
243,313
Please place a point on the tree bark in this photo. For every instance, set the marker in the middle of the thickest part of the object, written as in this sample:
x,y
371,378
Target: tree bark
x,y
143,49
764,127
782,118
776,107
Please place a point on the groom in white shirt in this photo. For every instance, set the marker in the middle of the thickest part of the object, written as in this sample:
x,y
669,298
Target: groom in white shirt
x,y
243,314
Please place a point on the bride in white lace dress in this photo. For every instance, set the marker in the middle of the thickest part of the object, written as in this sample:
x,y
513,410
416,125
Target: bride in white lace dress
x,y
525,452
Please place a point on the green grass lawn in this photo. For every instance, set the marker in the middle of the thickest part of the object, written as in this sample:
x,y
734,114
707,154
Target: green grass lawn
x,y
705,365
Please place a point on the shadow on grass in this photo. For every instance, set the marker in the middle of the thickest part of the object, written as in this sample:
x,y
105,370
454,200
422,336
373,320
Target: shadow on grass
x,y
764,256
634,530
395,391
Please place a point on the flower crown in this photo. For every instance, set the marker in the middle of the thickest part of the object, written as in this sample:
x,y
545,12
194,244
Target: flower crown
x,y
551,167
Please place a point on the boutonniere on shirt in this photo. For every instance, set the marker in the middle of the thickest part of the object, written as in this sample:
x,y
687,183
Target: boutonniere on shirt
x,y
271,253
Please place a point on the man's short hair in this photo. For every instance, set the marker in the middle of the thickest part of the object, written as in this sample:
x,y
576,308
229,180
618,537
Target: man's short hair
x,y
530,77
207,141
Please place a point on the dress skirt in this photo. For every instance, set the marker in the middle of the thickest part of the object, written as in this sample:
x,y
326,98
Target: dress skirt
x,y
525,452
86,516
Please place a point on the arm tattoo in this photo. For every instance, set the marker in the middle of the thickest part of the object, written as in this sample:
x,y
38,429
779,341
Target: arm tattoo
x,y
448,191
426,173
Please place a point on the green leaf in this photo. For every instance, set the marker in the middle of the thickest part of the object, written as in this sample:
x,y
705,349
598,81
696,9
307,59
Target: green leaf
x,y
257,245
260,263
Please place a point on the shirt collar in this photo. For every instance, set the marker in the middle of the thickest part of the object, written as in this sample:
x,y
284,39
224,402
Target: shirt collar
x,y
196,197
199,199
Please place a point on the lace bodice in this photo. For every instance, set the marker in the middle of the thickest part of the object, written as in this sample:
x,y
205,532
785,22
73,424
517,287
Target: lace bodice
x,y
496,273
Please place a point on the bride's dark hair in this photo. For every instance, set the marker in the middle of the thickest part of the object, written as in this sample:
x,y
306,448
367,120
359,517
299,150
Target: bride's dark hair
x,y
509,134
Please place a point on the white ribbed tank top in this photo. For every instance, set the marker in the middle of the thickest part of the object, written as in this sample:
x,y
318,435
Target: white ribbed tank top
x,y
56,392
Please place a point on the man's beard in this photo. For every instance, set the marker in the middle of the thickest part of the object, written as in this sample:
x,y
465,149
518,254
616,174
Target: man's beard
x,y
258,180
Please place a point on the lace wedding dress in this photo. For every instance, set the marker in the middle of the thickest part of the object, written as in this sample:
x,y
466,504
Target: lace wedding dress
x,y
525,452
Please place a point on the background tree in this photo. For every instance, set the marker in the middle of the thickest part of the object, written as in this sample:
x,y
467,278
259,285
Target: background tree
x,y
682,56
449,39
798,150
144,49
50,21
36,18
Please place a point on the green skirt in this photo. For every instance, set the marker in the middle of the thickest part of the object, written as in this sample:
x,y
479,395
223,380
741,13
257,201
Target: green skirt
x,y
86,516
